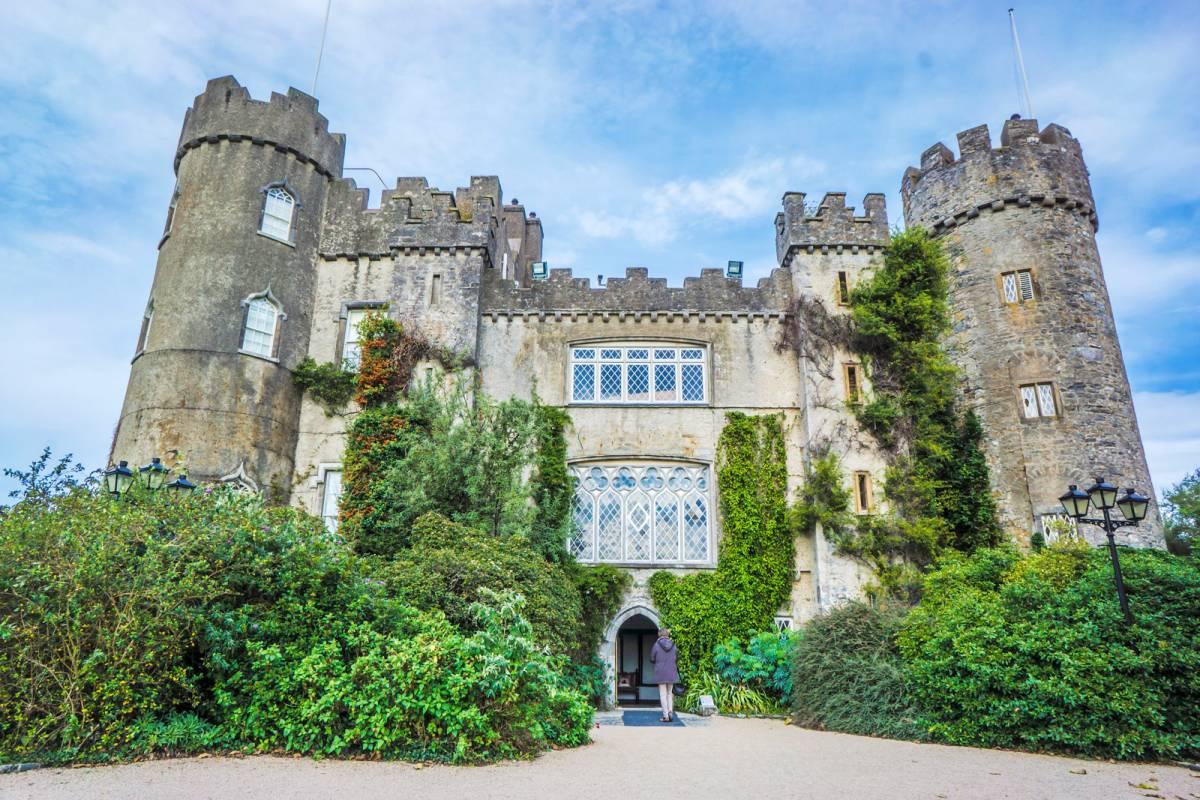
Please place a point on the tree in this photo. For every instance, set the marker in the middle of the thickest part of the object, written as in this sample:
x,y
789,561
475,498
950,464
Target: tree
x,y
1182,519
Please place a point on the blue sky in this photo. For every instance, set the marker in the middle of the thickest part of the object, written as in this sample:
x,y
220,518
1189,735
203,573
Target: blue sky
x,y
644,134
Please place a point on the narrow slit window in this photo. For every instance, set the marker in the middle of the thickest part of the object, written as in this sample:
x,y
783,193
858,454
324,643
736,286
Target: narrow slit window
x,y
171,210
435,289
278,209
853,384
862,492
843,288
1017,286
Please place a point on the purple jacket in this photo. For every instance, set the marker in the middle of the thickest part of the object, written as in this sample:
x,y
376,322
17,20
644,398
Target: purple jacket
x,y
664,656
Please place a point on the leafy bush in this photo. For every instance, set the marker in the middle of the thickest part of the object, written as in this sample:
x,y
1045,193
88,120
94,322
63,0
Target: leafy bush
x,y
1181,515
170,624
1032,652
764,662
329,384
730,698
847,674
449,564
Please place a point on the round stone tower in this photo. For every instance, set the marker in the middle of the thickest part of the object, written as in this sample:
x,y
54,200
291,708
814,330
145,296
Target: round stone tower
x,y
229,310
1033,326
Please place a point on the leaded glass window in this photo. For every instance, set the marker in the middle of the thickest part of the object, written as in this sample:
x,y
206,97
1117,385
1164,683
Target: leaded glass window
x,y
642,513
1037,400
1018,286
278,208
258,337
639,374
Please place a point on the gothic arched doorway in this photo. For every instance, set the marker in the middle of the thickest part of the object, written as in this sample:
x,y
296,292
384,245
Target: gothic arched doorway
x,y
626,652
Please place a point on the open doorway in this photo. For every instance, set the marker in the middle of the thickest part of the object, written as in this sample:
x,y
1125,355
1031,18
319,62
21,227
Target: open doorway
x,y
634,671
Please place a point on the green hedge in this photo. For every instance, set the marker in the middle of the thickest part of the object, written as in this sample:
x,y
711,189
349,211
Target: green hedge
x,y
1032,652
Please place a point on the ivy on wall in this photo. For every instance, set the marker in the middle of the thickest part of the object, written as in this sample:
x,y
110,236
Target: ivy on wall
x,y
756,559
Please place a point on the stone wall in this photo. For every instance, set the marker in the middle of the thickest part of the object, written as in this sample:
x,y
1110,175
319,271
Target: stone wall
x,y
1028,205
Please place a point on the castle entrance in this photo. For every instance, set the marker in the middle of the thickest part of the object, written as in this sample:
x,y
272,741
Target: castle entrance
x,y
633,670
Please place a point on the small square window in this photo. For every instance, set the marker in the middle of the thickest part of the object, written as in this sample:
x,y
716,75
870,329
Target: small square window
x,y
1017,286
1037,400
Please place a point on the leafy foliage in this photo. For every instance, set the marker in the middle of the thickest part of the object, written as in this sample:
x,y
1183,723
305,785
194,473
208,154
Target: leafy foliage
x,y
848,676
170,624
937,485
756,560
389,354
763,662
328,384
1032,652
729,697
551,486
43,483
1182,514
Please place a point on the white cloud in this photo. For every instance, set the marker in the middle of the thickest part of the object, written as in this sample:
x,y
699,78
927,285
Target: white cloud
x,y
1170,426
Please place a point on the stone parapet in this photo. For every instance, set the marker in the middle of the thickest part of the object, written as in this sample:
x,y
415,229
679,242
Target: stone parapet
x,y
288,123
832,228
1043,168
710,292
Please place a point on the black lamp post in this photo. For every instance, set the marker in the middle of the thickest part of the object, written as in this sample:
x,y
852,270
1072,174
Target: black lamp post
x,y
1103,495
117,479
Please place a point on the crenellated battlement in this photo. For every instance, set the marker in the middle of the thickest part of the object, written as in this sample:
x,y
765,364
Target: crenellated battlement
x,y
1031,166
289,123
833,225
709,293
412,214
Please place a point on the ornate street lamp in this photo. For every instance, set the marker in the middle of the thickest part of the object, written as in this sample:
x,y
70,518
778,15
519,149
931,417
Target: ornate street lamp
x,y
1103,495
181,486
117,479
154,474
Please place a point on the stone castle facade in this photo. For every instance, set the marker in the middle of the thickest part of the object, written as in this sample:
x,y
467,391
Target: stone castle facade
x,y
270,255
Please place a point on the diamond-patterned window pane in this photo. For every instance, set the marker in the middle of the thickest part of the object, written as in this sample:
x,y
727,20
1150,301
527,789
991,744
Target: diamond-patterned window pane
x,y
664,382
639,383
608,528
583,386
666,528
610,355
637,528
664,355
585,353
641,513
584,531
1010,287
1046,399
1029,401
695,528
692,382
693,355
640,354
610,381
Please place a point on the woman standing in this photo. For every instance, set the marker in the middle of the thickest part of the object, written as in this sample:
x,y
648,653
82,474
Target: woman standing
x,y
666,672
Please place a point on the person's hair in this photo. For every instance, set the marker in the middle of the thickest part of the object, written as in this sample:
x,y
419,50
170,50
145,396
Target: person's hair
x,y
664,632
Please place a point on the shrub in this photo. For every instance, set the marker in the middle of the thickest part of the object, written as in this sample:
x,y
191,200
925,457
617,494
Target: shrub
x,y
730,698
847,675
448,565
328,384
1032,652
764,662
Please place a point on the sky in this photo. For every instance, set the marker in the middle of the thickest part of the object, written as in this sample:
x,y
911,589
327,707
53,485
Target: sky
x,y
646,134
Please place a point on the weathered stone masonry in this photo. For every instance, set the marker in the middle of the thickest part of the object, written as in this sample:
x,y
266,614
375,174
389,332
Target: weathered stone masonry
x,y
457,265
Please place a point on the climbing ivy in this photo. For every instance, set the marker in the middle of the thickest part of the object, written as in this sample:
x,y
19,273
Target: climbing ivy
x,y
551,485
756,561
328,384
937,484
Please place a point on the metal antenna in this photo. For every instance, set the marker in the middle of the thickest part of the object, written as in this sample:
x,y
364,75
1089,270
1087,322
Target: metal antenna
x,y
321,52
367,169
1012,18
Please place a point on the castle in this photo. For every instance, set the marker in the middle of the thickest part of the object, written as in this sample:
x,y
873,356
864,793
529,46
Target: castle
x,y
269,255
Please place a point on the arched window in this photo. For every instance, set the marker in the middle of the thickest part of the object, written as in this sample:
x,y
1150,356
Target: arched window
x,y
278,208
261,325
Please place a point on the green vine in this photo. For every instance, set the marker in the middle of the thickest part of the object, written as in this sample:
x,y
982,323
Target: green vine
x,y
937,484
328,384
552,485
756,562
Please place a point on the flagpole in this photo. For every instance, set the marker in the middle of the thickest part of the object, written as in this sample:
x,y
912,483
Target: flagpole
x,y
321,52
1012,18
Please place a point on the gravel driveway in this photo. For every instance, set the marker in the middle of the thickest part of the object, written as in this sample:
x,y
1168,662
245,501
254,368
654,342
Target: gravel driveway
x,y
727,758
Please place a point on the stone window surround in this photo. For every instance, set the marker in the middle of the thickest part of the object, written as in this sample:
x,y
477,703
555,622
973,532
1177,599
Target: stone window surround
x,y
343,315
318,483
714,516
863,505
649,342
853,388
841,288
1036,380
1034,288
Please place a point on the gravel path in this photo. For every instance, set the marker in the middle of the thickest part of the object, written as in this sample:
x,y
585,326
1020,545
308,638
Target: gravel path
x,y
728,758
